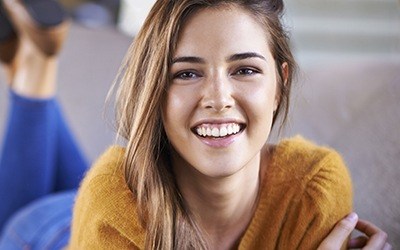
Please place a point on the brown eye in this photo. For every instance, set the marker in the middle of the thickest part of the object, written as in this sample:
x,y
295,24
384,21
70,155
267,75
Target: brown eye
x,y
246,72
186,75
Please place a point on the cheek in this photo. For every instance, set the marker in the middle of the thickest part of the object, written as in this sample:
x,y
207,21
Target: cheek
x,y
259,99
258,104
263,109
179,104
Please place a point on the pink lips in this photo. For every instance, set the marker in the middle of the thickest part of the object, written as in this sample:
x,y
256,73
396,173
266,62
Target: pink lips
x,y
220,142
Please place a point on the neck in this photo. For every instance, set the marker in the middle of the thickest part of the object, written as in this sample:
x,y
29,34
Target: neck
x,y
223,206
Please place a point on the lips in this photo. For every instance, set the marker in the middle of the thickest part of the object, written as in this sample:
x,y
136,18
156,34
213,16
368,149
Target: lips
x,y
218,130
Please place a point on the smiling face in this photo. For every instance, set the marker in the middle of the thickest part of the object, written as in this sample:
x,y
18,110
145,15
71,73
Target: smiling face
x,y
222,95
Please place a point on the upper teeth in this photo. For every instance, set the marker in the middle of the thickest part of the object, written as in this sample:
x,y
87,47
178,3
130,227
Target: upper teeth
x,y
220,131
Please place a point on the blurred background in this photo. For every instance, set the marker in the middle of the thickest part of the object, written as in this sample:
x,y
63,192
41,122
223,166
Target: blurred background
x,y
346,96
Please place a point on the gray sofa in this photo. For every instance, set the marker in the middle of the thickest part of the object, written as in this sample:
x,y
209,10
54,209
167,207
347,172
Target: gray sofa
x,y
352,107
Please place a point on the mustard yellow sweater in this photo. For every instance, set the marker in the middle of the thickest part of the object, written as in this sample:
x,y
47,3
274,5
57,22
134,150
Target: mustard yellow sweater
x,y
307,189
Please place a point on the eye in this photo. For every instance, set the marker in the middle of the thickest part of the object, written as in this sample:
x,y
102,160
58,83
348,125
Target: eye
x,y
246,72
186,75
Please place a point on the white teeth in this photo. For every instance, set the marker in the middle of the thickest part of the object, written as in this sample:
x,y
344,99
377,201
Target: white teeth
x,y
222,131
209,133
230,129
215,132
203,131
236,128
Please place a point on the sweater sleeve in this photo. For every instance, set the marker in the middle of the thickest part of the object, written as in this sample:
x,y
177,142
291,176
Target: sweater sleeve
x,y
325,198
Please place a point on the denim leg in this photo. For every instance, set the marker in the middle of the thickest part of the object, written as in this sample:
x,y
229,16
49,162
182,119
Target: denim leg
x,y
70,162
27,159
42,225
39,155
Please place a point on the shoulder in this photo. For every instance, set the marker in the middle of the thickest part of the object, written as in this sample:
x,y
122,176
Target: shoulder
x,y
310,186
318,174
302,160
108,163
105,180
105,204
104,183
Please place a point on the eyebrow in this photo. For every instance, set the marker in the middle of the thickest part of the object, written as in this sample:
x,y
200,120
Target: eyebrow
x,y
234,57
189,59
243,56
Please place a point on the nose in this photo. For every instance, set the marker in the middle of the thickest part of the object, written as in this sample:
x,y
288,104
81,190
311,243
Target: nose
x,y
217,94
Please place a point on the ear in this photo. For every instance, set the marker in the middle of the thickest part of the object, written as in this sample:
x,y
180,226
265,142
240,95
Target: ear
x,y
285,75
285,72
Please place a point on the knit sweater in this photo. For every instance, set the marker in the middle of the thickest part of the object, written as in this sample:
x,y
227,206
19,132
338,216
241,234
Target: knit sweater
x,y
306,190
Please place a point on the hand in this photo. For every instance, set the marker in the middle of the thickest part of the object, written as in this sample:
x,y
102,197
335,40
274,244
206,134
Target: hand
x,y
373,239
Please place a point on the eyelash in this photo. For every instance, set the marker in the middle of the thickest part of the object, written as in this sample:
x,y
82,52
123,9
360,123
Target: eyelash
x,y
180,75
248,71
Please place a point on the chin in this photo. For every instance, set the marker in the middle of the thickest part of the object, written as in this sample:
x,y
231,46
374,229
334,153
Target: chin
x,y
219,168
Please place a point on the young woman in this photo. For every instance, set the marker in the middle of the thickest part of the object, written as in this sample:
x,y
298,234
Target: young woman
x,y
202,86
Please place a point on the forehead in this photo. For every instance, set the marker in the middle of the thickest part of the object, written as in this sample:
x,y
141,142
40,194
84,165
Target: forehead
x,y
223,29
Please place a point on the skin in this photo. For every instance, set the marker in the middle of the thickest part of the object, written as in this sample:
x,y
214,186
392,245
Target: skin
x,y
36,74
232,79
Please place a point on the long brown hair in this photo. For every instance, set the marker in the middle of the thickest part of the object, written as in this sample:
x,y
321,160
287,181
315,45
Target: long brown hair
x,y
144,79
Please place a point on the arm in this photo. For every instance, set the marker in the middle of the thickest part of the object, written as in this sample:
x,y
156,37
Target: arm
x,y
326,197
334,183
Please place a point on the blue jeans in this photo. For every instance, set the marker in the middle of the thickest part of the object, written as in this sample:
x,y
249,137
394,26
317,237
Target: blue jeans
x,y
43,224
39,158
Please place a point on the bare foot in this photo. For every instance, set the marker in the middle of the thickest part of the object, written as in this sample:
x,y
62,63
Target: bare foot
x,y
35,75
33,71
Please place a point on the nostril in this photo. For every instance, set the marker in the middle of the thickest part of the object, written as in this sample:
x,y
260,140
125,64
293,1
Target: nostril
x,y
217,102
218,107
